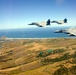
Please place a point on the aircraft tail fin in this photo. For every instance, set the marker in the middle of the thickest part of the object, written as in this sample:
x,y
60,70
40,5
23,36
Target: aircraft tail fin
x,y
48,22
65,20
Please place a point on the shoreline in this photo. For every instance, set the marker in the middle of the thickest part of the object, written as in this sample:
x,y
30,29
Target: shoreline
x,y
8,39
43,38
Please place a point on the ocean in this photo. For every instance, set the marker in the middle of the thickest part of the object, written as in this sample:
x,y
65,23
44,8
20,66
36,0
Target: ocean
x,y
39,32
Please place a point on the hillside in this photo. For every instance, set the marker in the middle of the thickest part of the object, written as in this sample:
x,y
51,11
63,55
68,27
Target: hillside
x,y
38,56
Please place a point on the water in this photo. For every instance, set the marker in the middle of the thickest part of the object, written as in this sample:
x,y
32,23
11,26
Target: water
x,y
39,32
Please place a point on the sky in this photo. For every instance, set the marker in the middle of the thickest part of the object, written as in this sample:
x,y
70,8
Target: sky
x,y
19,13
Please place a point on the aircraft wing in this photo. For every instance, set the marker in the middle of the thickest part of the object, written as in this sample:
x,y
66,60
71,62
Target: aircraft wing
x,y
72,33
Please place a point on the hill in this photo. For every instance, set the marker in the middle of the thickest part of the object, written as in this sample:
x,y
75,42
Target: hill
x,y
38,56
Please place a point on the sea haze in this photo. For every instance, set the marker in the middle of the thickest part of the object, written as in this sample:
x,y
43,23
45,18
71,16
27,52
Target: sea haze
x,y
38,32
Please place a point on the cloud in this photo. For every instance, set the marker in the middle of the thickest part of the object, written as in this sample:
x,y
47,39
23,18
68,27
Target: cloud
x,y
59,1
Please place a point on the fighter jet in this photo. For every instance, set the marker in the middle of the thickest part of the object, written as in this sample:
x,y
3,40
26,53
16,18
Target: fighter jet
x,y
60,21
41,24
48,22
71,31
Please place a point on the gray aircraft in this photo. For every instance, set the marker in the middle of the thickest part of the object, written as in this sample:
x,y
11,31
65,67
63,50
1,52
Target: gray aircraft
x,y
60,21
71,31
41,24
48,22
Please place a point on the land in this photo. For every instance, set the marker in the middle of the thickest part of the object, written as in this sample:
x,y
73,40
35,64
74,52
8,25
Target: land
x,y
55,56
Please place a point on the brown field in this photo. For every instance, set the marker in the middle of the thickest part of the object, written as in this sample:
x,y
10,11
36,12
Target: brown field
x,y
38,56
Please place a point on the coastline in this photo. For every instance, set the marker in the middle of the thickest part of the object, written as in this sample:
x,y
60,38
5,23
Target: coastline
x,y
5,39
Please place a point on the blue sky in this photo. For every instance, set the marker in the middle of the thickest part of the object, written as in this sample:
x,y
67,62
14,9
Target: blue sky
x,y
18,13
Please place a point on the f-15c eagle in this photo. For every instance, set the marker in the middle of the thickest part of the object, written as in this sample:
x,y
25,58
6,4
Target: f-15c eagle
x,y
71,31
41,24
60,21
48,22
